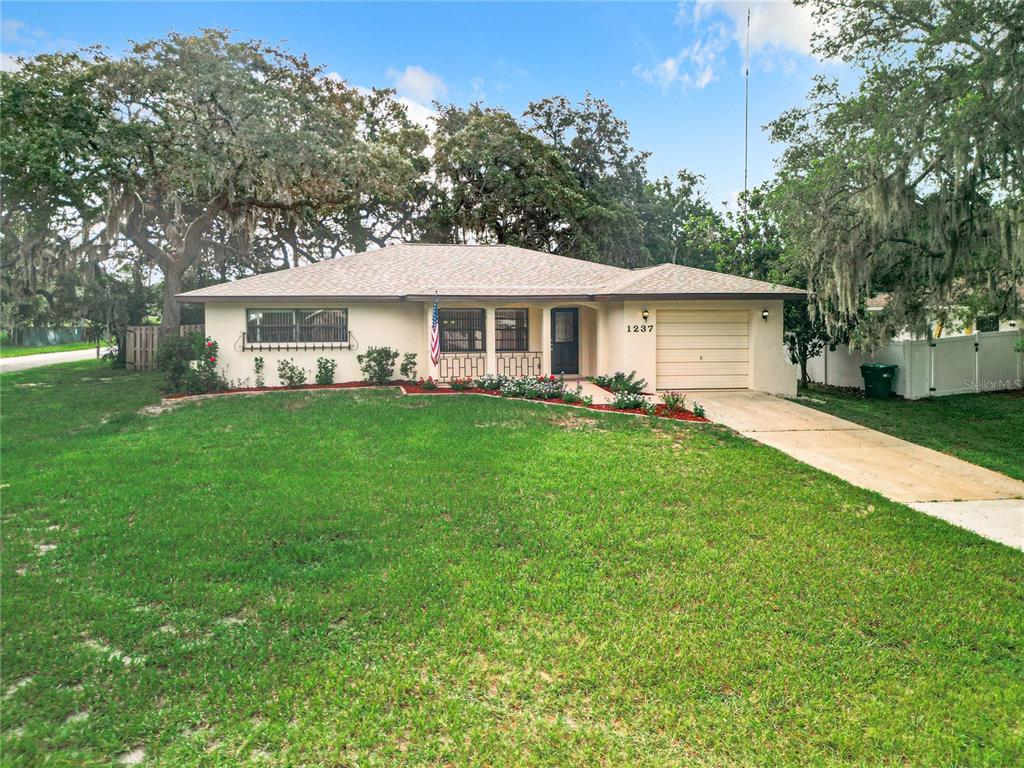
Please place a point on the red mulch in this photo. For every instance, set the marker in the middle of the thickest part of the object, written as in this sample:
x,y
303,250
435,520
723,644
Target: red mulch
x,y
414,389
659,410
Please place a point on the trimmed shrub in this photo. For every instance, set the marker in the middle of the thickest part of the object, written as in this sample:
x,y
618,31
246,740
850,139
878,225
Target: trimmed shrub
x,y
325,368
378,364
290,374
408,369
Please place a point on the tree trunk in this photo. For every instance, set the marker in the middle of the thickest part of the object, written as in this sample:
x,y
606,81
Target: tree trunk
x,y
802,351
170,317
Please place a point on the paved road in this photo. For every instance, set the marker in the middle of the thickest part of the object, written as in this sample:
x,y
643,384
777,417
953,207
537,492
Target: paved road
x,y
34,361
938,484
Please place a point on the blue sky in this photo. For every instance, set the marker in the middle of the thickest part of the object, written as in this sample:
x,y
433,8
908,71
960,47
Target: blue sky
x,y
674,71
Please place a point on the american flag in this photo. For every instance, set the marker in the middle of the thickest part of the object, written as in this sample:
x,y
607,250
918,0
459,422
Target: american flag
x,y
435,336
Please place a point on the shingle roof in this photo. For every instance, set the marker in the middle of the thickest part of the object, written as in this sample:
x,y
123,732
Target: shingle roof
x,y
479,271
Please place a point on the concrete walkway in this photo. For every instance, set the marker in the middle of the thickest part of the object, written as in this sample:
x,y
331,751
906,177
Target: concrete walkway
x,y
25,362
967,495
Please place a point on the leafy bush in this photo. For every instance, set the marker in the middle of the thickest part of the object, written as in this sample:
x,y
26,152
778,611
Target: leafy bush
x,y
675,402
408,369
378,364
257,365
491,381
428,383
534,387
325,368
461,385
698,410
189,364
576,396
621,382
623,400
290,374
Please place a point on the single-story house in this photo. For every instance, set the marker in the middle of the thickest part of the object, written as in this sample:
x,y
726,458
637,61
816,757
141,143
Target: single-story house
x,y
506,310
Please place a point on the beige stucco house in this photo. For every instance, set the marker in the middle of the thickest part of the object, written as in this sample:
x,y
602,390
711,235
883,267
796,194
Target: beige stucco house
x,y
507,310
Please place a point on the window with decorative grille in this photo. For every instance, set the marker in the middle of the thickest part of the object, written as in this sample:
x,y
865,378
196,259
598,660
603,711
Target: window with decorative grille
x,y
462,330
512,330
297,326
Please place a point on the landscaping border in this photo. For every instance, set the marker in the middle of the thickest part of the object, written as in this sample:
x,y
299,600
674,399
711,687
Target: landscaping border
x,y
408,388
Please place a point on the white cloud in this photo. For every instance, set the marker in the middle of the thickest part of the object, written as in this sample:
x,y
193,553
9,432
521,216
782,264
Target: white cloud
x,y
693,67
417,112
773,23
779,31
8,63
476,85
417,84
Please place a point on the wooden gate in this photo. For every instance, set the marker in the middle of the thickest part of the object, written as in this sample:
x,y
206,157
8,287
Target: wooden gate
x,y
141,342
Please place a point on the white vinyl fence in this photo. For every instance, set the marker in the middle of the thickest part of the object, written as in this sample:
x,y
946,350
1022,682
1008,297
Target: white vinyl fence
x,y
982,362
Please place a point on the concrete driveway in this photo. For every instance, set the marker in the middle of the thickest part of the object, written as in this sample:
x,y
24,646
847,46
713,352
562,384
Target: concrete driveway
x,y
25,362
967,495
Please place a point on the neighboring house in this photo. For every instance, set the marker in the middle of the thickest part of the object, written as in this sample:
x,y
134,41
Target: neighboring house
x,y
506,310
950,329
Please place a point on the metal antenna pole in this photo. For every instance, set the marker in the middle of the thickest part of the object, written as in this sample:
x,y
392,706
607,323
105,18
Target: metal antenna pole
x,y
746,107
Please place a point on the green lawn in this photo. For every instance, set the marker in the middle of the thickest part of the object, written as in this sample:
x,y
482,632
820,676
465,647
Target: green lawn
x,y
985,429
355,578
8,351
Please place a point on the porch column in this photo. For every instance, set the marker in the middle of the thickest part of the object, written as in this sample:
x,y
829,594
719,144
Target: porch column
x,y
428,369
490,341
545,339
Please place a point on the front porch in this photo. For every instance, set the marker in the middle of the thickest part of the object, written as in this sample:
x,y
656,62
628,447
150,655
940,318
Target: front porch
x,y
514,339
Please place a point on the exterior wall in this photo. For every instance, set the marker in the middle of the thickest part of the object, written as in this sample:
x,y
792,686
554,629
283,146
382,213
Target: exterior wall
x,y
628,351
398,325
605,344
947,366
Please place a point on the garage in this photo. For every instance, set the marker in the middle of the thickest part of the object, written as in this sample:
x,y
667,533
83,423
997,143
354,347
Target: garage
x,y
703,349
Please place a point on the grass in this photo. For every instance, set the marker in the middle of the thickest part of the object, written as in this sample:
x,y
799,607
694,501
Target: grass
x,y
8,351
985,429
357,578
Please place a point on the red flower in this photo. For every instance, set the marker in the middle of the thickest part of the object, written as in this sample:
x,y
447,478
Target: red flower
x,y
213,359
209,343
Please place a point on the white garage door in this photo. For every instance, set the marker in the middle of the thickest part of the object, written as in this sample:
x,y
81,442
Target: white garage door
x,y
703,349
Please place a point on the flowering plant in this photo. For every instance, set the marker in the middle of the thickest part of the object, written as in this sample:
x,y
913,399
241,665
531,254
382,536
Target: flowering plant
x,y
189,364
428,383
461,385
490,381
628,401
534,387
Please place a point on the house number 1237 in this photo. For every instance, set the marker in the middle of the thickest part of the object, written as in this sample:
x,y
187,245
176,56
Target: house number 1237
x,y
640,328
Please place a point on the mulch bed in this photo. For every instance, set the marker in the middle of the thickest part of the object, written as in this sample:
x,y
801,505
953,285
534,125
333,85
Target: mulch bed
x,y
661,411
414,389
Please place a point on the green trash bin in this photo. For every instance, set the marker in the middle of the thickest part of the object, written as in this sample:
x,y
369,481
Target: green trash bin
x,y
878,379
